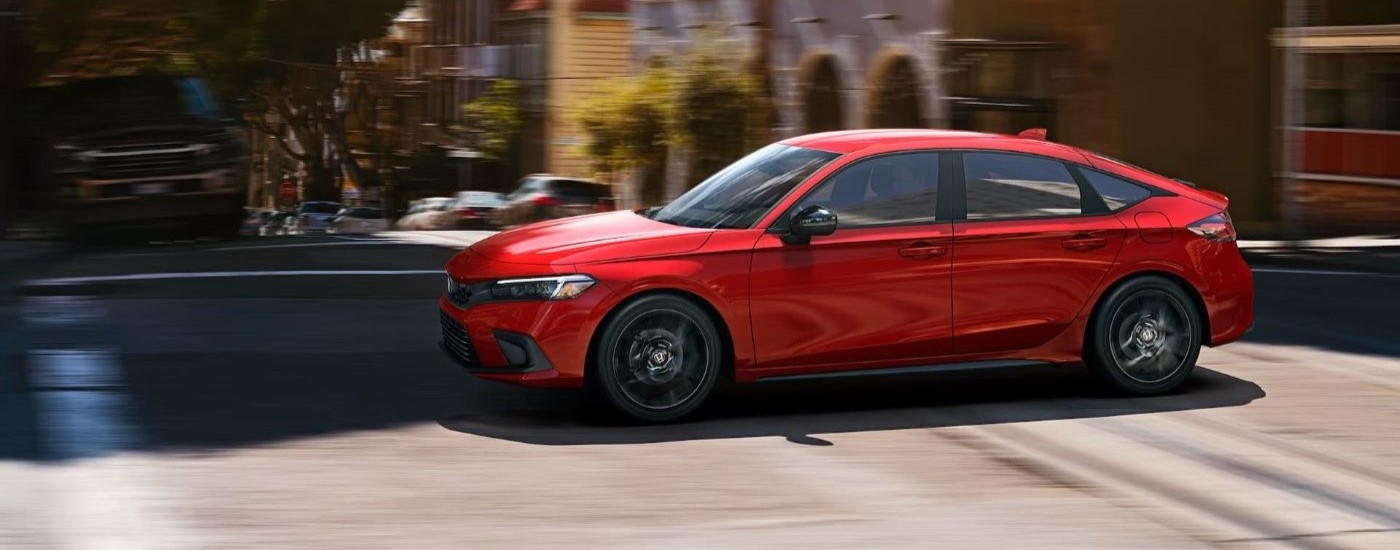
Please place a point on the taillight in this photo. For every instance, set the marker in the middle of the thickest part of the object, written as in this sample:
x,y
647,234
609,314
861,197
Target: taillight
x,y
546,200
1216,228
466,213
605,205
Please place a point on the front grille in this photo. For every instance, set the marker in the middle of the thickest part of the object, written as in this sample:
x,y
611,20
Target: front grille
x,y
459,294
145,160
454,335
113,190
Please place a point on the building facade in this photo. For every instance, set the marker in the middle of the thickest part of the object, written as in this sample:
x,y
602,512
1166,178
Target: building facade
x,y
826,64
1284,105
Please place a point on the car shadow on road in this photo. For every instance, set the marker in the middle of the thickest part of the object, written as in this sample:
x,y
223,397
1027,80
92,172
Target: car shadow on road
x,y
800,411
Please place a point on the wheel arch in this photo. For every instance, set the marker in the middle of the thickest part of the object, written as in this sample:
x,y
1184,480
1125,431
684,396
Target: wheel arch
x,y
726,338
1185,285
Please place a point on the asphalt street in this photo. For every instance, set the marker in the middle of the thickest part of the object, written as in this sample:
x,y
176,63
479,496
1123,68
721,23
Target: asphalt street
x,y
289,393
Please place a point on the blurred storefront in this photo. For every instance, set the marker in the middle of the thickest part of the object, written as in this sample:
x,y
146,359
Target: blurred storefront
x,y
1345,135
1197,90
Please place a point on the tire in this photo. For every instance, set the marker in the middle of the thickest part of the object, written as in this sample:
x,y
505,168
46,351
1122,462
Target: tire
x,y
657,359
1145,337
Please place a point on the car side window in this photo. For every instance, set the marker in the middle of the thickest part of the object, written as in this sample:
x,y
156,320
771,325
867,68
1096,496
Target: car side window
x,y
1004,186
885,190
1117,192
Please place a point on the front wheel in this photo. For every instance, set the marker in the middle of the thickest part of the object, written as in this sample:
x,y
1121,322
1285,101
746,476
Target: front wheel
x,y
657,359
1145,337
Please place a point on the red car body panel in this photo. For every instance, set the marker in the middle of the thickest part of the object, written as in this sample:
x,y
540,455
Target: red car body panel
x,y
858,299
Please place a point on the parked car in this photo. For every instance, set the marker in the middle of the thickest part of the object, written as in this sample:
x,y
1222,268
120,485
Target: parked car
x,y
254,220
865,252
476,209
280,223
359,220
430,214
315,216
545,197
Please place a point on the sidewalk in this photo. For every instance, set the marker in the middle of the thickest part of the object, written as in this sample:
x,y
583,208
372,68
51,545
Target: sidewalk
x,y
1371,254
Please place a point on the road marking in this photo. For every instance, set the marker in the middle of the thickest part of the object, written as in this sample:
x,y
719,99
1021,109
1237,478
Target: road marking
x,y
60,310
96,496
228,274
1320,272
57,369
350,242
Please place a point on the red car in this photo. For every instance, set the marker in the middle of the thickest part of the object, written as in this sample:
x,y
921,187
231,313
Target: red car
x,y
860,253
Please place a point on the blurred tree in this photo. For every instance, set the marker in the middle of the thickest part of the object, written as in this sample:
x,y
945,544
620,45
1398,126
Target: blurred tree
x,y
626,128
700,103
287,54
496,116
714,108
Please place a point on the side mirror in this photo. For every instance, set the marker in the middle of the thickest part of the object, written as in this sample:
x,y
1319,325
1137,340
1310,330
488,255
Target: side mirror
x,y
812,221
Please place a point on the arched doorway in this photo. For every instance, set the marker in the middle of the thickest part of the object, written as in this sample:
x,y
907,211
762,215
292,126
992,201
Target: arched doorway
x,y
895,94
821,95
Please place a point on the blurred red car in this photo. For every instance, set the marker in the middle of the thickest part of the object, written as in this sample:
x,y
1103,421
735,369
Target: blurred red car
x,y
859,253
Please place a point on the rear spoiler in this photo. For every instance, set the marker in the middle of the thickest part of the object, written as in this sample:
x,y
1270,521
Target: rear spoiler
x,y
1184,182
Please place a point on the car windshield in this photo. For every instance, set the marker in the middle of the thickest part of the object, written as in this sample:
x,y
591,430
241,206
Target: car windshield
x,y
739,195
139,96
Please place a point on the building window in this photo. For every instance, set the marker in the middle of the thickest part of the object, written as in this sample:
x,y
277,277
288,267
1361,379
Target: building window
x,y
1352,90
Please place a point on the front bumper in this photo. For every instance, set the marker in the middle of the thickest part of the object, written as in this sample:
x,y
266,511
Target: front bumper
x,y
529,342
162,207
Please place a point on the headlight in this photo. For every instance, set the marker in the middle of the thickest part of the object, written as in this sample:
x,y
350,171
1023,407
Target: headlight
x,y
542,288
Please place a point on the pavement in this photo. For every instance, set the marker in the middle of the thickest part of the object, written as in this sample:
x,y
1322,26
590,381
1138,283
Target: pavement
x,y
307,406
1380,253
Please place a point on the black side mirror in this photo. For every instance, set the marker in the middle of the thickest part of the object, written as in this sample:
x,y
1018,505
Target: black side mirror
x,y
812,221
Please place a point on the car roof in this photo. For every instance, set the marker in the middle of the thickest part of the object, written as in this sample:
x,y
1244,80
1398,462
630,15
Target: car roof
x,y
851,141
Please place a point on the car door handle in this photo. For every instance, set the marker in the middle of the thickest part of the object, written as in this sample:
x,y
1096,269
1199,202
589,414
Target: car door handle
x,y
923,251
1084,243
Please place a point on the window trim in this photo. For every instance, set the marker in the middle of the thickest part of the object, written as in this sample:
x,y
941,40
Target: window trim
x,y
1151,191
941,214
1071,166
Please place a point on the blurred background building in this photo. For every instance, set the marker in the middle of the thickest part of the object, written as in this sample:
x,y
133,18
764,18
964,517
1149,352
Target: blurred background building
x,y
1291,107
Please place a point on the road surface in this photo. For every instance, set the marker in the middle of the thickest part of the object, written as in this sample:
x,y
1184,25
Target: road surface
x,y
288,393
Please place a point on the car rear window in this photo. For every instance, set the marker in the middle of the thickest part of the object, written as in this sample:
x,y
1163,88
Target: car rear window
x,y
570,187
1117,192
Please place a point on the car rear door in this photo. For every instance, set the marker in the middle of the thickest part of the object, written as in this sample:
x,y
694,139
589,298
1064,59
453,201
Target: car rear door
x,y
873,294
1032,242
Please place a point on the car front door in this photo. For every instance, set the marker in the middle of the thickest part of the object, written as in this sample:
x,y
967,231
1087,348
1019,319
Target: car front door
x,y
1033,244
874,293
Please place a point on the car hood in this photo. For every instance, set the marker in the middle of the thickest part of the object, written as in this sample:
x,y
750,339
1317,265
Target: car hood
x,y
603,237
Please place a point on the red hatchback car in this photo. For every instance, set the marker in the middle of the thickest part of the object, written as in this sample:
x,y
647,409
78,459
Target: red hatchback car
x,y
859,253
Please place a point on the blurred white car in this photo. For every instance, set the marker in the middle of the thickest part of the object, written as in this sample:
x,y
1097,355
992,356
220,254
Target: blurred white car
x,y
430,214
359,220
477,209
315,216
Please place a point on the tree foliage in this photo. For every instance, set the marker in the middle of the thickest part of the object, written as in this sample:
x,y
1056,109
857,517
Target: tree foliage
x,y
626,125
496,115
700,102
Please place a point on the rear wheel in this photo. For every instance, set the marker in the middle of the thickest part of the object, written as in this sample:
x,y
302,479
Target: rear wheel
x,y
1145,337
657,359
